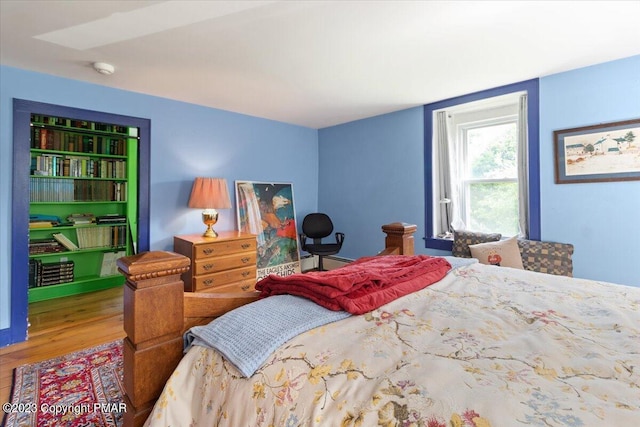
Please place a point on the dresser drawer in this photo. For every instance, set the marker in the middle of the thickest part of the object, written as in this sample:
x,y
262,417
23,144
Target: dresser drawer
x,y
246,286
228,260
224,248
221,263
224,277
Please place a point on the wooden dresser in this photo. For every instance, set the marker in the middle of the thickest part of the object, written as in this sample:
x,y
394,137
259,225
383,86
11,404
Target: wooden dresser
x,y
226,263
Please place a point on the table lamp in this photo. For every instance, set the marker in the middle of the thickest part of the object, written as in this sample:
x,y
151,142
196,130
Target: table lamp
x,y
210,194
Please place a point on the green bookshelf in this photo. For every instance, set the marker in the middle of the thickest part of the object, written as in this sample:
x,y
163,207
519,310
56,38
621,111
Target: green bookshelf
x,y
82,204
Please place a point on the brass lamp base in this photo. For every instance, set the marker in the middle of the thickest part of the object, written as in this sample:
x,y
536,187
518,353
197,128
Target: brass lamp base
x,y
209,218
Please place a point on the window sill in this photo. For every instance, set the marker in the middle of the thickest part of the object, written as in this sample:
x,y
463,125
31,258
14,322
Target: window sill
x,y
441,244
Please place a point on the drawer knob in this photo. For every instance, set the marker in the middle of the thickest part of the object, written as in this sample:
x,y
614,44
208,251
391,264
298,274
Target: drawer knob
x,y
207,267
245,260
245,273
207,282
207,251
246,245
246,287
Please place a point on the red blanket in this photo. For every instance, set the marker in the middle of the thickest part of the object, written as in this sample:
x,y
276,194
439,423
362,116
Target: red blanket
x,y
362,285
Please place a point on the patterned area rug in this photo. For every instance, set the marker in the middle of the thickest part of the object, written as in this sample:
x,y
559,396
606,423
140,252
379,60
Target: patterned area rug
x,y
80,389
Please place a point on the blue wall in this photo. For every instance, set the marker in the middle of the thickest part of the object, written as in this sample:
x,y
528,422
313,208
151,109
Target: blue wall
x,y
186,141
371,173
602,220
364,173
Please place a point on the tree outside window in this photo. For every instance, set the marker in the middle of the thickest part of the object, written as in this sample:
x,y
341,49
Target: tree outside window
x,y
490,182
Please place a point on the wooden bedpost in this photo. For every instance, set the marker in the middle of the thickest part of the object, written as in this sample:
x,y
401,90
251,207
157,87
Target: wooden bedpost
x,y
153,322
399,240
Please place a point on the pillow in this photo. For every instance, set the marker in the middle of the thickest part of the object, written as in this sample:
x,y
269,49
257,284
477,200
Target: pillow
x,y
462,240
547,257
504,253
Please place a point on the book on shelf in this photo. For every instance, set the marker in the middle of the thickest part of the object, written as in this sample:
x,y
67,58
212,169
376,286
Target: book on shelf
x,y
57,280
62,140
45,189
43,242
65,241
56,267
81,218
43,246
33,272
101,237
111,219
44,217
40,224
46,274
56,275
43,221
109,265
50,274
42,138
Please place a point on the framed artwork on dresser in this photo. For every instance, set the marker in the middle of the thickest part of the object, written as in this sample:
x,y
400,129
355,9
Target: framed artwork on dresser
x,y
266,209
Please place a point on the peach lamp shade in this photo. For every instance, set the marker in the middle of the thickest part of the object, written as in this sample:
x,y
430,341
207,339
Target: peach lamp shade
x,y
210,194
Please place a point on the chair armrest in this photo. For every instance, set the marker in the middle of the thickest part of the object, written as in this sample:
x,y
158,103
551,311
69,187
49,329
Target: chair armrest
x,y
339,238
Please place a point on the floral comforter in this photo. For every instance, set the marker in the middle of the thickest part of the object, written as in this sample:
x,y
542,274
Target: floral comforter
x,y
485,346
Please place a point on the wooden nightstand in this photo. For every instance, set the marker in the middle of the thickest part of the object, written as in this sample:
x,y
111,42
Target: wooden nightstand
x,y
226,263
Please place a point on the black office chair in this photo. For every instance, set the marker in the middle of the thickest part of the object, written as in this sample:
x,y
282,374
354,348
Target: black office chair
x,y
317,226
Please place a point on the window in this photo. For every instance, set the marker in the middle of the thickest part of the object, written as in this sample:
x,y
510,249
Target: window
x,y
489,179
476,176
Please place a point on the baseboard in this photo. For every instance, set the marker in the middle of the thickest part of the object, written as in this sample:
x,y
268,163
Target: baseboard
x,y
5,337
14,334
330,262
307,263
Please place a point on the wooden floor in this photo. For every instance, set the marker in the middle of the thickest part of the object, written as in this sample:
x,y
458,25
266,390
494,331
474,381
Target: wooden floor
x,y
62,326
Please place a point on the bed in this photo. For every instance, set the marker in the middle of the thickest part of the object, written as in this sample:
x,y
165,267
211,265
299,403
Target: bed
x,y
482,346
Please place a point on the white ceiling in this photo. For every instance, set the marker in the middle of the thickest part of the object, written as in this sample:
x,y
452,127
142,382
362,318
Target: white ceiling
x,y
314,63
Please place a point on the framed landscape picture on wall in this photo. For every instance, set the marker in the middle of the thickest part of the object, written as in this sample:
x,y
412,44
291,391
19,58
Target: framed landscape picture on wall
x,y
603,152
267,210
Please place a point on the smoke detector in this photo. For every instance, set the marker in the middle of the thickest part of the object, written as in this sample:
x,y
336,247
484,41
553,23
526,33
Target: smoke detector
x,y
103,68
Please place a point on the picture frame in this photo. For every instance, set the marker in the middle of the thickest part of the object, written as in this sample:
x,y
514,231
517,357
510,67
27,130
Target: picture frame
x,y
598,153
267,210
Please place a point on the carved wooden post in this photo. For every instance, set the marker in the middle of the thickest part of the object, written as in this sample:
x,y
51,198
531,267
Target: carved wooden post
x,y
400,235
153,321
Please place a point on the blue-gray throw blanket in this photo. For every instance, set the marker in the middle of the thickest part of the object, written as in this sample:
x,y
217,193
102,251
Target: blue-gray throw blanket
x,y
459,262
248,335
